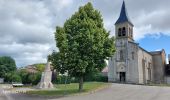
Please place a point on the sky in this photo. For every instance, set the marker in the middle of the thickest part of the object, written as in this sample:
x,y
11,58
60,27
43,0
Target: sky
x,y
27,26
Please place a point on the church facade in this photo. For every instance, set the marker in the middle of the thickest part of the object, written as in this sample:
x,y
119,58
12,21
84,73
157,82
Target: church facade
x,y
131,63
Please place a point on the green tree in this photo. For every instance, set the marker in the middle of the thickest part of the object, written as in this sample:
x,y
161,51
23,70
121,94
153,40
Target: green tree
x,y
34,78
83,43
7,64
24,76
13,77
40,67
29,78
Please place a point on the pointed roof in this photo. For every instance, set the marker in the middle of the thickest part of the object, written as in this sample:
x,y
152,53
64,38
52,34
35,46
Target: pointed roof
x,y
123,15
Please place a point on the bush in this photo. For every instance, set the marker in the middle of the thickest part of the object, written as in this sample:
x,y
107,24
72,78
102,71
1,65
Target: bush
x,y
98,77
61,79
30,78
34,78
7,64
13,77
101,78
16,78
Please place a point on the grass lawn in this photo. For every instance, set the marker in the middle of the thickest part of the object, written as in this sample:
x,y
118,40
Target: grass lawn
x,y
69,89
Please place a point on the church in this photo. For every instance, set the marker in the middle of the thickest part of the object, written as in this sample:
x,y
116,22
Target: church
x,y
132,63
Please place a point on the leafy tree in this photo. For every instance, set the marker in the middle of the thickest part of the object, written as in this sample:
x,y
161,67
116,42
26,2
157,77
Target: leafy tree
x,y
16,78
13,77
57,62
7,64
83,44
24,76
34,78
29,78
40,67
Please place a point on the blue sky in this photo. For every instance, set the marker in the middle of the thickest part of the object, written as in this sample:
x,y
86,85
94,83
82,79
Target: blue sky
x,y
156,42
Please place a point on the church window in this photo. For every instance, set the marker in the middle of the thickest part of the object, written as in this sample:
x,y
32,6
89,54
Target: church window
x,y
119,32
124,31
121,55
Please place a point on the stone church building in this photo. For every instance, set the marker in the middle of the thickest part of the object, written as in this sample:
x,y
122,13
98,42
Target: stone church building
x,y
131,63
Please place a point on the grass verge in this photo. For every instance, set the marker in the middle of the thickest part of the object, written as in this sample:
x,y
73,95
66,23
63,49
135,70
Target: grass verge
x,y
70,89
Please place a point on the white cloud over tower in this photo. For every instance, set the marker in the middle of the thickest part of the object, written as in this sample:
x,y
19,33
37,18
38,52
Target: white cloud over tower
x,y
27,26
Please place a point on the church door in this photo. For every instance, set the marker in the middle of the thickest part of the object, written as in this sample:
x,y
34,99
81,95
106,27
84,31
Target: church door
x,y
122,77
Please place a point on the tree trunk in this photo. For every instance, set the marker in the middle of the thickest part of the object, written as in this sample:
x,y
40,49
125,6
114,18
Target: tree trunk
x,y
81,84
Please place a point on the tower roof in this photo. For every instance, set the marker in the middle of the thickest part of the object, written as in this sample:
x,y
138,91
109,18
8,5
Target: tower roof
x,y
123,15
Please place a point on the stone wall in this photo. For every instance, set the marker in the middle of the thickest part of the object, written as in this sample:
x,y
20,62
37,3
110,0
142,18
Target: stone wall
x,y
159,63
132,68
144,62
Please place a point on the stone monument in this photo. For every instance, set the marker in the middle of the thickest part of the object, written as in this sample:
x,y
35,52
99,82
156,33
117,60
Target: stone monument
x,y
45,82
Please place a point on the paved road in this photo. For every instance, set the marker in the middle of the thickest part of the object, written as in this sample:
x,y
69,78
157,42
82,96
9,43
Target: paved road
x,y
126,92
2,95
18,96
7,94
115,92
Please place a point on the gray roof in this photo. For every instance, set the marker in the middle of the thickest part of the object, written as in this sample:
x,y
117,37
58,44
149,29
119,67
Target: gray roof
x,y
123,15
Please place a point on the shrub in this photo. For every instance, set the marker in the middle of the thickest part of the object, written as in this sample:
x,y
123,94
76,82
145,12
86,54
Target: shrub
x,y
30,78
61,79
98,77
13,77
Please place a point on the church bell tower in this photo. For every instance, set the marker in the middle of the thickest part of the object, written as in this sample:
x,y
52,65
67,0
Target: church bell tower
x,y
124,35
123,26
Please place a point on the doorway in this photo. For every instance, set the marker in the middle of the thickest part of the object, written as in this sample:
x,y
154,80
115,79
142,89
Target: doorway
x,y
122,77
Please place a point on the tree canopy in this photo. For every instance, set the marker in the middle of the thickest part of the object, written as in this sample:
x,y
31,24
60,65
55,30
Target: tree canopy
x,y
7,64
83,44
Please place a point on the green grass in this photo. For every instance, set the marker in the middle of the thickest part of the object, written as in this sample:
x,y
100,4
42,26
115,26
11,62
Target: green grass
x,y
69,89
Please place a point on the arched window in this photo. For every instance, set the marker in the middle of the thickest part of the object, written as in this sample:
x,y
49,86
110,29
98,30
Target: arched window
x,y
124,31
119,32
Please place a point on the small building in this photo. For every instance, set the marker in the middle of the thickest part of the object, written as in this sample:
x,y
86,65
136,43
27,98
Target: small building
x,y
1,80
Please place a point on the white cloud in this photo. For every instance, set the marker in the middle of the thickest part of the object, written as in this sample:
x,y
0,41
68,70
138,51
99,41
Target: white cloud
x,y
26,31
27,26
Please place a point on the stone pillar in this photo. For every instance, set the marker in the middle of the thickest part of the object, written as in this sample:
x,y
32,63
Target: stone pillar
x,y
45,82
